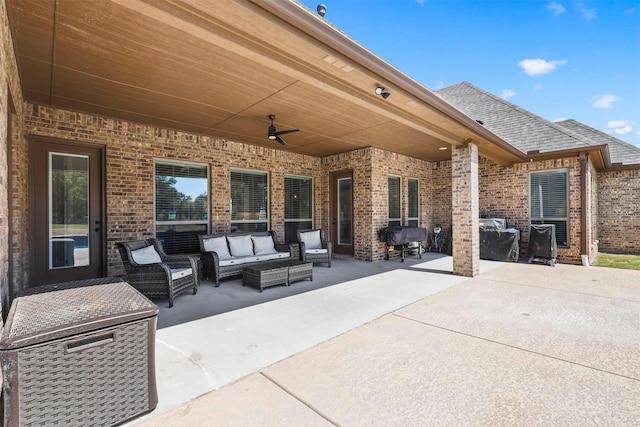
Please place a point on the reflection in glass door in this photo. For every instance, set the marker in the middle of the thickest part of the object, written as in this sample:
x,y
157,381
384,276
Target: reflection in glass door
x,y
68,210
345,212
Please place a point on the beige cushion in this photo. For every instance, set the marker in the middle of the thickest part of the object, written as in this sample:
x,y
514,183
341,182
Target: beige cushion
x,y
311,239
146,255
217,245
263,245
240,245
178,273
316,251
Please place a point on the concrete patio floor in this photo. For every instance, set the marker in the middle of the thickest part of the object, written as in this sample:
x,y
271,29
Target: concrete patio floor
x,y
518,345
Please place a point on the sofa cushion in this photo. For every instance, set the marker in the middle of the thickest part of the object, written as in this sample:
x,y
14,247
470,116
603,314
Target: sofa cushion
x,y
263,245
311,239
239,260
240,245
218,245
146,255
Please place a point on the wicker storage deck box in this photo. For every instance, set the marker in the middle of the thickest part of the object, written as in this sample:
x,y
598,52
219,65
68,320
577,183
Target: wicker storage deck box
x,y
79,357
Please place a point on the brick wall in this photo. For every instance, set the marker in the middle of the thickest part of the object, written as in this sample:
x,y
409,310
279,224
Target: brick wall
x,y
619,211
465,204
130,153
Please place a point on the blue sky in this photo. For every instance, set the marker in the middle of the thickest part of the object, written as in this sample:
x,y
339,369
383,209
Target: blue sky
x,y
560,59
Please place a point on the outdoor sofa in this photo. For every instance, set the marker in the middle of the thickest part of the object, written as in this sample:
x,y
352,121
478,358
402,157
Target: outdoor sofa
x,y
227,254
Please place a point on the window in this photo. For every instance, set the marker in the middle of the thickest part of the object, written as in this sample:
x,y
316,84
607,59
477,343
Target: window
x,y
413,191
298,206
549,201
249,200
182,205
395,203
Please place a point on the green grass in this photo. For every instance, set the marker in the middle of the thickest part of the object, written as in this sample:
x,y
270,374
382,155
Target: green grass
x,y
628,262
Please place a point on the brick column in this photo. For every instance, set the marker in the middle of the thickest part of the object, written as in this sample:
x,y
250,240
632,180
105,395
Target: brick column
x,y
464,201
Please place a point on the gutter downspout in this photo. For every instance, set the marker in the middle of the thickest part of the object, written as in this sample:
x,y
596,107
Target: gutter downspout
x,y
584,244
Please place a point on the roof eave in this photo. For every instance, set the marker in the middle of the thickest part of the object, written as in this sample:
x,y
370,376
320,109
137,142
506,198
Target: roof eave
x,y
599,155
316,27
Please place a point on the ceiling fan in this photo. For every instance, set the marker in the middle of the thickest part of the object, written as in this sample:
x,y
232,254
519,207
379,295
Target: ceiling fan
x,y
274,134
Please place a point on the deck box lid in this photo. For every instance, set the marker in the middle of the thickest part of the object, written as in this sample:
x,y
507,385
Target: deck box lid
x,y
43,317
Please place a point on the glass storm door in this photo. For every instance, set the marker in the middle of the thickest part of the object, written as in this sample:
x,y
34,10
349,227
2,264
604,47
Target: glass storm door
x,y
67,214
342,208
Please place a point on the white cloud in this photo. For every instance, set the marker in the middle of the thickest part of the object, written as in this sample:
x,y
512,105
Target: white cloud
x,y
507,93
588,13
604,101
556,8
538,86
621,127
538,67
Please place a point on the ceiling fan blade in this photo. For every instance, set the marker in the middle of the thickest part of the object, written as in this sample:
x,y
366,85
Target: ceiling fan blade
x,y
280,140
282,132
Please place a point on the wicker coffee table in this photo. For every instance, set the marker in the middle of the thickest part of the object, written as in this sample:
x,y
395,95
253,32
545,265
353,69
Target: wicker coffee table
x,y
268,274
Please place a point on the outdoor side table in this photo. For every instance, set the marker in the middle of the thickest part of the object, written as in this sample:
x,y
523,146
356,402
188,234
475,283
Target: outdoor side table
x,y
79,357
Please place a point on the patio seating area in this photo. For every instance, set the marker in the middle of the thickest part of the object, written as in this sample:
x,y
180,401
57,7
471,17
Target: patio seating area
x,y
516,345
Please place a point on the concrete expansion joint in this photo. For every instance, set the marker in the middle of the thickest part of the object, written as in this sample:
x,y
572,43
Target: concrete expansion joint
x,y
294,396
517,348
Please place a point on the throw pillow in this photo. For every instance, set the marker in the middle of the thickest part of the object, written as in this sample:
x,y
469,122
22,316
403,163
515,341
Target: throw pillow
x,y
311,239
240,245
263,245
218,245
146,255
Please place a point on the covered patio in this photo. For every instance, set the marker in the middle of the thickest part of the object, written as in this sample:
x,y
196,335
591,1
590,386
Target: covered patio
x,y
519,344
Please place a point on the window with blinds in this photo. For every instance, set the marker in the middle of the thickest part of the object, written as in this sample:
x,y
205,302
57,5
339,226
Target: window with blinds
x,y
298,206
413,202
549,201
395,202
181,205
249,200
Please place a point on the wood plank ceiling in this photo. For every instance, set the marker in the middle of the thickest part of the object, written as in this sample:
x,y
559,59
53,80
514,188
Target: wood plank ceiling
x,y
221,67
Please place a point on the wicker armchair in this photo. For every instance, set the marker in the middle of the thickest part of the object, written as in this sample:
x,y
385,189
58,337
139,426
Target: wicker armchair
x,y
314,247
158,275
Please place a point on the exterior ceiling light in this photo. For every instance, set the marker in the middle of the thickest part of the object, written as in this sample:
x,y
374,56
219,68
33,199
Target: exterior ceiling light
x,y
380,91
442,148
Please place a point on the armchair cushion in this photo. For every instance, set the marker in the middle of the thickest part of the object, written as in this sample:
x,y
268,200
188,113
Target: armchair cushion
x,y
218,245
240,245
146,255
317,251
311,239
178,273
263,245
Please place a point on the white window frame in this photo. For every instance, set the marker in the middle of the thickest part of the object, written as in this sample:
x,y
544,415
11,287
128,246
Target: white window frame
x,y
552,219
266,219
399,218
204,221
415,219
311,195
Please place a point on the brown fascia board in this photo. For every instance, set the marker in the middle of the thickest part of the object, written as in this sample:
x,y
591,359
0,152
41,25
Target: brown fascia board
x,y
316,27
602,160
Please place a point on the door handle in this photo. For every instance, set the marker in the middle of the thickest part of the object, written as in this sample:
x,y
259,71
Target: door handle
x,y
98,228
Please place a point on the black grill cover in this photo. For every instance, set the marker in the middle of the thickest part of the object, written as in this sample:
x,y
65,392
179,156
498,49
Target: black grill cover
x,y
400,234
542,241
500,245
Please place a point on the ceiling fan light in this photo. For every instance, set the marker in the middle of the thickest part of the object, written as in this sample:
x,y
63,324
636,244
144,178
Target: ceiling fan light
x,y
272,137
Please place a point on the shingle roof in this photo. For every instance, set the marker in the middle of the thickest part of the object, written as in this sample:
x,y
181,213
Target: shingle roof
x,y
620,151
517,126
